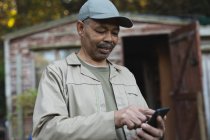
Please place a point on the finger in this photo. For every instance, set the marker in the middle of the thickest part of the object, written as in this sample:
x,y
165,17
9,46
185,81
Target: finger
x,y
136,116
165,117
139,114
146,112
130,125
129,119
149,111
161,123
156,132
133,116
143,135
135,138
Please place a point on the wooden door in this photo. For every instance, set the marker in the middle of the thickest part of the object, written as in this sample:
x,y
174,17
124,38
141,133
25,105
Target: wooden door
x,y
185,57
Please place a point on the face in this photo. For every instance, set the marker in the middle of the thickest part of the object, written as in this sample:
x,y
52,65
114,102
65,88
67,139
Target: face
x,y
98,38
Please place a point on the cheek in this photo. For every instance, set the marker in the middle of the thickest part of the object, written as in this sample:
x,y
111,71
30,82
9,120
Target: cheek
x,y
115,40
89,41
93,38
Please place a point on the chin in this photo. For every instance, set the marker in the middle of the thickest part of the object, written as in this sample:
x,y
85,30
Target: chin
x,y
101,57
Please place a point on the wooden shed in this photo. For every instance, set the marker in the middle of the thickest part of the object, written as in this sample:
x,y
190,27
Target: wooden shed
x,y
162,52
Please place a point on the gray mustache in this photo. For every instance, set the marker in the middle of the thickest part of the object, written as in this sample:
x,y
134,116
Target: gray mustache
x,y
105,45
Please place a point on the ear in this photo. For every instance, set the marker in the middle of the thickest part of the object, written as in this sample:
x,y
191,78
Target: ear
x,y
80,28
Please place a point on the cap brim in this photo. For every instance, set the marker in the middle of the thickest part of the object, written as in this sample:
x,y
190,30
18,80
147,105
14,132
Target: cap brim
x,y
122,21
125,22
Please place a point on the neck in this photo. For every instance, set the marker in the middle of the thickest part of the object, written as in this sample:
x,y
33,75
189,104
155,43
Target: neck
x,y
89,60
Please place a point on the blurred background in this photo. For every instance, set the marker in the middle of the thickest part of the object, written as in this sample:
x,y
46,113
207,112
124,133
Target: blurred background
x,y
167,50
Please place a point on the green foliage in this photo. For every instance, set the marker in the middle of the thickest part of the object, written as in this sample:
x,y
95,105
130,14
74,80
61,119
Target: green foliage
x,y
26,101
16,14
172,7
31,12
7,15
21,13
180,7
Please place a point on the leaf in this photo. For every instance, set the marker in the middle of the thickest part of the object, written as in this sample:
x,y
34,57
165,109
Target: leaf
x,y
11,22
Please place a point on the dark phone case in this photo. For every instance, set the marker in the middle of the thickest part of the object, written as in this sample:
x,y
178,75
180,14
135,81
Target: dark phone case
x,y
161,112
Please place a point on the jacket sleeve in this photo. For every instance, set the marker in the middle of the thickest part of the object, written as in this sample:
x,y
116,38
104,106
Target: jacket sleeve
x,y
51,119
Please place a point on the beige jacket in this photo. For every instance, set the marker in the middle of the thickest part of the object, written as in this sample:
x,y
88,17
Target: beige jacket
x,y
70,104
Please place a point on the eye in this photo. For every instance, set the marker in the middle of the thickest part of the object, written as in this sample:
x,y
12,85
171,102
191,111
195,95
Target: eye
x,y
100,31
115,33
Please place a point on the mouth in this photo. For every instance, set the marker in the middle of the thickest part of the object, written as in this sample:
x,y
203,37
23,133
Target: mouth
x,y
105,48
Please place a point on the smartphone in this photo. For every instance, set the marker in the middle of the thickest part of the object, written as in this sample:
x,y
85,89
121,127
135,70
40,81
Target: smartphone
x,y
159,112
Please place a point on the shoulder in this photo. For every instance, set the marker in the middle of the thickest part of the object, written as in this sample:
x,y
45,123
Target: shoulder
x,y
58,65
124,73
123,69
56,69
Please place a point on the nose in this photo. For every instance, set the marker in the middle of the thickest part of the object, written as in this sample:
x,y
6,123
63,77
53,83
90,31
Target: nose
x,y
108,37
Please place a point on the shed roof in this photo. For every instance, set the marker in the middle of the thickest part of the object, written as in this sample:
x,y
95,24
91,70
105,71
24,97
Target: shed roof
x,y
156,19
39,27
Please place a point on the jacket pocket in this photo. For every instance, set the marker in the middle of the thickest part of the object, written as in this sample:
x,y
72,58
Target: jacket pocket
x,y
132,93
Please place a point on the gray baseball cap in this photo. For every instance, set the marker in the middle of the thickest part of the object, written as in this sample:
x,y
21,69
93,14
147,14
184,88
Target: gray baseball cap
x,y
102,9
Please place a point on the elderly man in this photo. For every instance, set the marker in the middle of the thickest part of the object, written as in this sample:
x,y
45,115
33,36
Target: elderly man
x,y
85,96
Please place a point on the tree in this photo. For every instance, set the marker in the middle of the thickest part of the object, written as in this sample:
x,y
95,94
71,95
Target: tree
x,y
22,13
32,12
16,14
180,7
7,15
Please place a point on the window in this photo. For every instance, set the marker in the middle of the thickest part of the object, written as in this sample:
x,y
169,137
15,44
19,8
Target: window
x,y
44,57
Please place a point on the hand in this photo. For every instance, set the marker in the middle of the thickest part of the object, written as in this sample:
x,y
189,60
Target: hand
x,y
147,132
132,117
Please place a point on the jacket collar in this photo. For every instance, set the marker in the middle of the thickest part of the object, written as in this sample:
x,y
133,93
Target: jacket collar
x,y
74,61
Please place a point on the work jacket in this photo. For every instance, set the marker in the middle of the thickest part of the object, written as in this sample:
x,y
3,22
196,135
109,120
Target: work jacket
x,y
71,106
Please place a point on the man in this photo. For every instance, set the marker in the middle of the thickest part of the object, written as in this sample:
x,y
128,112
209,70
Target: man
x,y
87,97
